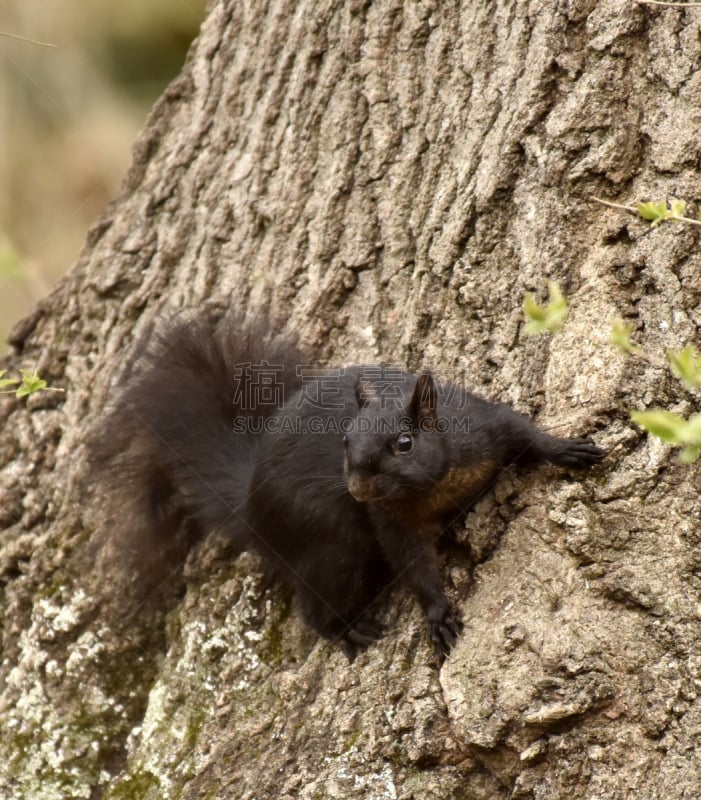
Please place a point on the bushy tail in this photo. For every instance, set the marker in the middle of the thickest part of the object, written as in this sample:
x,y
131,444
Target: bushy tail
x,y
169,466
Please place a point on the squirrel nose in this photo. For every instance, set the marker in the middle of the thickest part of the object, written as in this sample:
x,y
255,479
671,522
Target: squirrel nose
x,y
356,486
361,487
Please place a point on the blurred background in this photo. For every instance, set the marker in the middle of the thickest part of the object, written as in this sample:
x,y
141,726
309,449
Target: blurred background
x,y
68,117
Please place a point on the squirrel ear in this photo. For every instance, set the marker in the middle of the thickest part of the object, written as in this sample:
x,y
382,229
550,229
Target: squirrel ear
x,y
423,399
364,392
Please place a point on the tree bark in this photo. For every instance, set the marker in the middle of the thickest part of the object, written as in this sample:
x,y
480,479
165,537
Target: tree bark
x,y
390,178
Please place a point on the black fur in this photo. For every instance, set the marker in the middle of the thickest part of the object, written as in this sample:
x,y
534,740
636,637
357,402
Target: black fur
x,y
341,493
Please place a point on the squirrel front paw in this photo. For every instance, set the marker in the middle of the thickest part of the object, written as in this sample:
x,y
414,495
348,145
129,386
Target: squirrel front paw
x,y
444,627
578,453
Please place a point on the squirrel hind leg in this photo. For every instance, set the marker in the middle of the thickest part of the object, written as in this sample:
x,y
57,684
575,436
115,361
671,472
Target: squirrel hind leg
x,y
360,635
351,631
357,636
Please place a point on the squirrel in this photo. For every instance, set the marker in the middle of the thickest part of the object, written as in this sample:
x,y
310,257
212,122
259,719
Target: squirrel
x,y
342,479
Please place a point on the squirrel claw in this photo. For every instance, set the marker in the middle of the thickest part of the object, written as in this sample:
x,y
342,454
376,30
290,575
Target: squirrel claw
x,y
444,631
363,633
579,453
347,649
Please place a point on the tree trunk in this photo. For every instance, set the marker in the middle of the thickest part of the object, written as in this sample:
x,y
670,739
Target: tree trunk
x,y
390,178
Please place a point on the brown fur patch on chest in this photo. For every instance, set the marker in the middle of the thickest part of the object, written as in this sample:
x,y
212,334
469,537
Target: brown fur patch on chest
x,y
453,494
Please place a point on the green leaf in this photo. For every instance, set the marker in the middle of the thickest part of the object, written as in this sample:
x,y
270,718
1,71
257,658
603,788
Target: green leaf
x,y
31,383
535,315
691,453
686,365
673,429
664,424
545,318
677,208
693,430
658,210
557,307
655,211
620,336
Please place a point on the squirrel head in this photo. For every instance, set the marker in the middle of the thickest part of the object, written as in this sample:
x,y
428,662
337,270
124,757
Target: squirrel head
x,y
395,448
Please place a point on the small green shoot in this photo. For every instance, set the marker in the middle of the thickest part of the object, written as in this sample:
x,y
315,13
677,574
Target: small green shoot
x,y
686,365
659,211
620,336
545,318
29,383
673,429
656,211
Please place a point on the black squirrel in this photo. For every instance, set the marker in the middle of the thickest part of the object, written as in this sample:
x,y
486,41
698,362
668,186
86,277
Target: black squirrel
x,y
342,479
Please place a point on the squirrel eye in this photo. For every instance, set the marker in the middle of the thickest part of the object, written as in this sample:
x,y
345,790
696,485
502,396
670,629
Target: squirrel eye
x,y
404,442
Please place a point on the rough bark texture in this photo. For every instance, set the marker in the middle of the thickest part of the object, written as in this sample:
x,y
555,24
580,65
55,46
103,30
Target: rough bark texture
x,y
390,178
